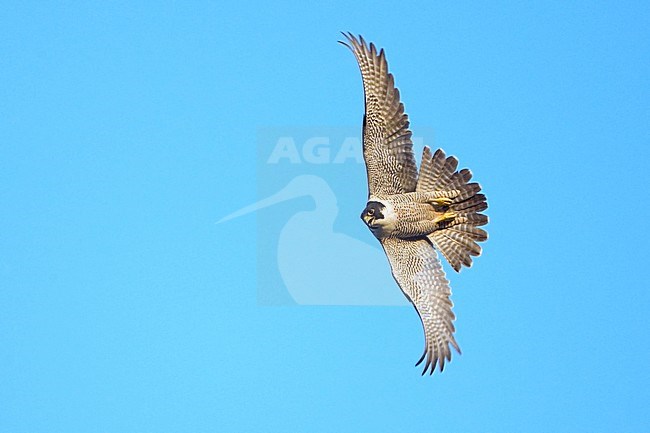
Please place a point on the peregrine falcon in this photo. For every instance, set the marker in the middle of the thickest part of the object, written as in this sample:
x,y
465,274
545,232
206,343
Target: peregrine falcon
x,y
413,215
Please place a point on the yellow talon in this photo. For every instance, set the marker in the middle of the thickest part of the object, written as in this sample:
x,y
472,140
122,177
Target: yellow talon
x,y
441,201
447,216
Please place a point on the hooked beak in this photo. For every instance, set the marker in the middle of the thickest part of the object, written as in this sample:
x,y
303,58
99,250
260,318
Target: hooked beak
x,y
367,219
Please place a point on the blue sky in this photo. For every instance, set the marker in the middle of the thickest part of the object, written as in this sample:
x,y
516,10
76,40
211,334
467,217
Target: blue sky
x,y
129,129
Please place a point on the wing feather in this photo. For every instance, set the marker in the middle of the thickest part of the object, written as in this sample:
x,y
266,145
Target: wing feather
x,y
387,144
418,272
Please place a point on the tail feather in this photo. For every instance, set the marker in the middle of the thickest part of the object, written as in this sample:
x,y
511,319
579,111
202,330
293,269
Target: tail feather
x,y
465,241
455,238
435,170
474,204
469,231
467,191
459,180
455,252
448,171
474,219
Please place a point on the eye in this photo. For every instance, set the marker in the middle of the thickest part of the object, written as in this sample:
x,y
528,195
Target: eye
x,y
371,211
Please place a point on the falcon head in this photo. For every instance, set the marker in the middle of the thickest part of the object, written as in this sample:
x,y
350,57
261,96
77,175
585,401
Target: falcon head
x,y
377,217
372,214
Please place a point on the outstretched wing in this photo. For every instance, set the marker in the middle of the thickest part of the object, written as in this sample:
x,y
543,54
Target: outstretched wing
x,y
387,145
418,271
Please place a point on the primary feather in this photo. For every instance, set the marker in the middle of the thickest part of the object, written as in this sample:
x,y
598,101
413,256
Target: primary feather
x,y
387,145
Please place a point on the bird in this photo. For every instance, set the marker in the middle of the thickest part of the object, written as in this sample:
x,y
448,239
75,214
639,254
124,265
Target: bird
x,y
415,214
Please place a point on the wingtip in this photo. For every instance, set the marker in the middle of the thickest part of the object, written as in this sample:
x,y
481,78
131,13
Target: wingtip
x,y
373,50
346,44
421,357
454,343
426,366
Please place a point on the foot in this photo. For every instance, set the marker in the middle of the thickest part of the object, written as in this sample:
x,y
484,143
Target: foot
x,y
441,201
447,216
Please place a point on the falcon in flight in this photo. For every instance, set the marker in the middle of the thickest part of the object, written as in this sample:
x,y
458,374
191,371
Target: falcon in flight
x,y
413,214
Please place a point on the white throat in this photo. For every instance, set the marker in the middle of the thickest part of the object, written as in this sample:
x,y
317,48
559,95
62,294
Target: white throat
x,y
386,226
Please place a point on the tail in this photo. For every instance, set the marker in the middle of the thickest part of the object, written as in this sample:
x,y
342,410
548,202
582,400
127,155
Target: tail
x,y
457,238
